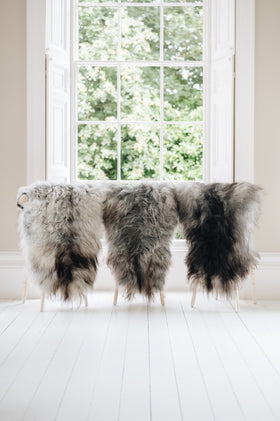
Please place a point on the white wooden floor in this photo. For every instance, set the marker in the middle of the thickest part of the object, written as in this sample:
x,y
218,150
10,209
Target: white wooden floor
x,y
137,363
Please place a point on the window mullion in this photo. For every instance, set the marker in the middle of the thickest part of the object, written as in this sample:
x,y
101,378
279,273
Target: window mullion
x,y
144,4
142,63
76,33
142,122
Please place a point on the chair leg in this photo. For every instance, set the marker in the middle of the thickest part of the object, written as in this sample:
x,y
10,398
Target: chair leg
x,y
254,286
217,295
42,301
24,290
161,294
116,296
237,304
193,297
85,300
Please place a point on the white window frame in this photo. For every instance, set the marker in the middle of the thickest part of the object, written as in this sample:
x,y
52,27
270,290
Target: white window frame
x,y
161,64
244,91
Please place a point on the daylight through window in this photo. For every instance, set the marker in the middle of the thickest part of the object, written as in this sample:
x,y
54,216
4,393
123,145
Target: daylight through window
x,y
139,92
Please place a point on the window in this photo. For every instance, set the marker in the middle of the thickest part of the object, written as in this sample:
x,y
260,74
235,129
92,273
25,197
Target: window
x,y
144,135
139,90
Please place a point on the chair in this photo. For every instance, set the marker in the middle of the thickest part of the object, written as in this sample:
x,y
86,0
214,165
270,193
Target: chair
x,y
116,294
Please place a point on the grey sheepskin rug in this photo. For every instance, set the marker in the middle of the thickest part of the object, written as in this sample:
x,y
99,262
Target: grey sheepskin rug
x,y
218,220
60,228
139,222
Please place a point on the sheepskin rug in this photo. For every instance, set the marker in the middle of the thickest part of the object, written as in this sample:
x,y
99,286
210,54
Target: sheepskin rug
x,y
140,221
218,220
60,227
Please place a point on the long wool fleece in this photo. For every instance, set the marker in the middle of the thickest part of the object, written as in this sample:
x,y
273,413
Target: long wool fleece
x,y
218,220
140,221
60,228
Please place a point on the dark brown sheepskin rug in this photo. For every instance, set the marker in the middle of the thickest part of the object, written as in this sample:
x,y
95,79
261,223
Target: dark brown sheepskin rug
x,y
218,220
140,221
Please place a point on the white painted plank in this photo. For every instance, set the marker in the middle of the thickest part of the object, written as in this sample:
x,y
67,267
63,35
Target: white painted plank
x,y
165,399
263,324
8,315
16,359
223,400
259,366
5,303
46,400
135,397
75,402
11,336
191,384
107,391
243,383
20,394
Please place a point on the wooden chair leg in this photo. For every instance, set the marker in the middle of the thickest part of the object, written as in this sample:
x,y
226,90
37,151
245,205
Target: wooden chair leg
x,y
217,295
193,297
237,304
42,301
85,300
24,290
254,286
161,294
116,296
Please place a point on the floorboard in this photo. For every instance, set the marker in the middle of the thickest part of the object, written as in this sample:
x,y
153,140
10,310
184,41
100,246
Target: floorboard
x,y
135,395
193,393
165,398
138,361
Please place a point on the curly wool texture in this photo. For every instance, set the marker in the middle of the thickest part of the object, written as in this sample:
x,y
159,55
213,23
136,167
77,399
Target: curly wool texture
x,y
218,220
140,221
60,227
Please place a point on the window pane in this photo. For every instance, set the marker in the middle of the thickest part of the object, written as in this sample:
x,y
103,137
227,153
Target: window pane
x,y
140,33
183,32
96,1
139,1
184,1
139,152
98,33
183,93
97,152
97,93
182,152
140,93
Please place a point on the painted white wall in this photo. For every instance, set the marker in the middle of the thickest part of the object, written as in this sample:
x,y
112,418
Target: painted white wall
x,y
12,116
267,127
244,83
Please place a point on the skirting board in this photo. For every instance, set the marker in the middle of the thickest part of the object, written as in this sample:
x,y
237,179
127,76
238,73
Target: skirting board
x,y
267,275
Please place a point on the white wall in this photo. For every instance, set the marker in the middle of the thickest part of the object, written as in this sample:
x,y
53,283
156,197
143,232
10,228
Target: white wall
x,y
267,121
12,116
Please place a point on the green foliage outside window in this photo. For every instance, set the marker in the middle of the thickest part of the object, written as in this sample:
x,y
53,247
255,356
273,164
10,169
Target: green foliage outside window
x,y
140,94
